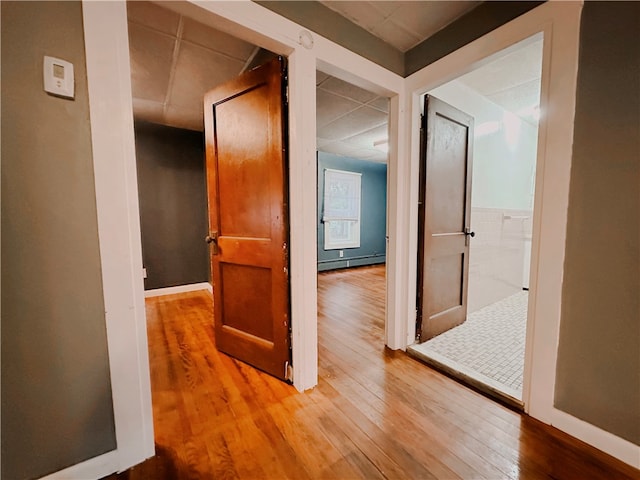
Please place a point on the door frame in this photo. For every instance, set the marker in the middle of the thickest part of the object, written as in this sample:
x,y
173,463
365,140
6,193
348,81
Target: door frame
x,y
559,25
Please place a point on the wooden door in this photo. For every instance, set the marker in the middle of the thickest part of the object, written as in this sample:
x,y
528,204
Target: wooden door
x,y
245,133
445,213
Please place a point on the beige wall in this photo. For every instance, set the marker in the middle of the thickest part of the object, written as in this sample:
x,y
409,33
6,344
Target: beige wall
x,y
56,392
598,369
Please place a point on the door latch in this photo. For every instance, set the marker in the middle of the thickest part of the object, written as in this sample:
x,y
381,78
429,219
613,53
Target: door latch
x,y
468,233
212,239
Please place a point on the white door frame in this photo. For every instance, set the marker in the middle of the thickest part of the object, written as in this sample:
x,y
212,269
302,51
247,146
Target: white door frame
x,y
560,24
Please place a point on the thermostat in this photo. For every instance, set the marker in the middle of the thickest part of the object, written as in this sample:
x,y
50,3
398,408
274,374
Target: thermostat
x,y
58,77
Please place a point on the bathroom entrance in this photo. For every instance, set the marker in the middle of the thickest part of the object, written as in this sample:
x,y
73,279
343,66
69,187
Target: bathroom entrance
x,y
486,349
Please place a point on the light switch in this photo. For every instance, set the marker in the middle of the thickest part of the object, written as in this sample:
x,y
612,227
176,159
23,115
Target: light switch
x,y
58,77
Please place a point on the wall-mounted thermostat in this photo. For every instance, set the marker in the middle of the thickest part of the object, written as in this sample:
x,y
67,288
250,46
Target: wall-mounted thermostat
x,y
58,77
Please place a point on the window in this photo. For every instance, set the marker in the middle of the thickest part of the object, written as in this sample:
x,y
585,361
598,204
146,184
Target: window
x,y
341,209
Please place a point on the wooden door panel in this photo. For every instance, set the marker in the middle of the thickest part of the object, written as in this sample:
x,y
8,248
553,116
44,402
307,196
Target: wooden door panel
x,y
446,293
448,194
246,251
244,202
246,181
445,217
247,292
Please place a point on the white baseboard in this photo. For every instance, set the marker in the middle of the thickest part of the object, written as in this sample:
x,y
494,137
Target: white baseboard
x,y
94,468
609,443
192,287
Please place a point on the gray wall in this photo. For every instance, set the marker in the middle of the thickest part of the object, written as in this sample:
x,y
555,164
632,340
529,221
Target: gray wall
x,y
373,215
598,369
320,19
56,391
472,25
173,205
478,22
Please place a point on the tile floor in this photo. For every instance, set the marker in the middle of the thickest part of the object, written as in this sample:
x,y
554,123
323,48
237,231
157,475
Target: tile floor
x,y
488,347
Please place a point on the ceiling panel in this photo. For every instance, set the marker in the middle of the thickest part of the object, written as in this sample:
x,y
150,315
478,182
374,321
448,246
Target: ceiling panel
x,y
151,62
381,103
518,98
197,71
148,110
394,34
321,77
175,61
387,8
344,89
371,154
516,68
340,148
358,121
423,19
367,138
402,24
215,40
349,119
330,107
152,16
511,81
359,12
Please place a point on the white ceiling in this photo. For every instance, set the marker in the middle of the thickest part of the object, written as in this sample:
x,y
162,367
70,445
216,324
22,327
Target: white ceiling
x,y
175,60
511,81
349,119
402,24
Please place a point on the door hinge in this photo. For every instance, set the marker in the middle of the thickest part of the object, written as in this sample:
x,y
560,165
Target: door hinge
x,y
288,371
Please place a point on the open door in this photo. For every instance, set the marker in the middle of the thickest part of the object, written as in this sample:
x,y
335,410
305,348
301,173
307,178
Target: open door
x,y
245,132
445,213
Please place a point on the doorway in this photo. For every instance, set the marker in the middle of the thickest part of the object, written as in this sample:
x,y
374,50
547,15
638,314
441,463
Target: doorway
x,y
352,156
488,349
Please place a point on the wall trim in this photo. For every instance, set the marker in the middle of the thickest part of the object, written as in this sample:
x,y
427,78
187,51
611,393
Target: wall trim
x,y
191,287
114,163
96,467
609,443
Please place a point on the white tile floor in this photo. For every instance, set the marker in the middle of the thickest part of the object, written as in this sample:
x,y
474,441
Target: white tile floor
x,y
488,347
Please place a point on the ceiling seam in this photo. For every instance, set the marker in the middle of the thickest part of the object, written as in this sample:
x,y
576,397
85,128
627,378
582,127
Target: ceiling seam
x,y
250,59
174,64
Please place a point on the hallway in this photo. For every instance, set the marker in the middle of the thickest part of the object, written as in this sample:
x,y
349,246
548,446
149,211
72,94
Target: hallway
x,y
375,413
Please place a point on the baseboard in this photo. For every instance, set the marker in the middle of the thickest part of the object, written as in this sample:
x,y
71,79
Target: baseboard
x,y
94,468
192,287
325,265
615,446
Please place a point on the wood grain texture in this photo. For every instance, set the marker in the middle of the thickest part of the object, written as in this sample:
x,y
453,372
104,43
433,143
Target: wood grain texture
x,y
375,413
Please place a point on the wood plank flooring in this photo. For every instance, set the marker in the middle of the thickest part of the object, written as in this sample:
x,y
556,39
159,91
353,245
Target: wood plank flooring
x,y
375,413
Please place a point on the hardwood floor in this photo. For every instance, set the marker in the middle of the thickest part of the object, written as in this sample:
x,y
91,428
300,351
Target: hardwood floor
x,y
375,413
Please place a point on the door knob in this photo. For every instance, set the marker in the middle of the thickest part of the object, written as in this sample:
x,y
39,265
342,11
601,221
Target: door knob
x,y
467,231
212,238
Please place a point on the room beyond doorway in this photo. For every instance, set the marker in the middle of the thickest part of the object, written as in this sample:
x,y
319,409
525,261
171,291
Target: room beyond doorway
x,y
487,350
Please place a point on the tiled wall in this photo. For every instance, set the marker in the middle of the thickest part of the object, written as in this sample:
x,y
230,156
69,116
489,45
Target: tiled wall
x,y
497,255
